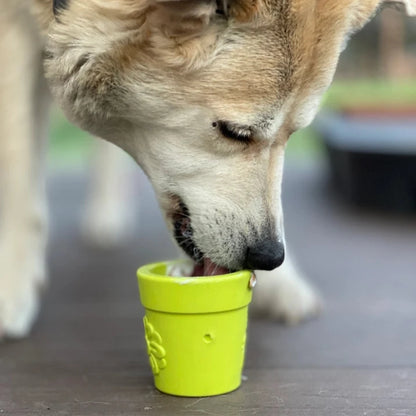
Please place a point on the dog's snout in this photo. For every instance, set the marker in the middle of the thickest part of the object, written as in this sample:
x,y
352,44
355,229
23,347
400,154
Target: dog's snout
x,y
266,255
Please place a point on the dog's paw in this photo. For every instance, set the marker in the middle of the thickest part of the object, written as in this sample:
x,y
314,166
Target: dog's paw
x,y
21,281
19,302
284,295
19,308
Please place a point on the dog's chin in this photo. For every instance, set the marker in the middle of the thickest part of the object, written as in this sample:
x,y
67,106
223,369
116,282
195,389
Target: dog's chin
x,y
183,232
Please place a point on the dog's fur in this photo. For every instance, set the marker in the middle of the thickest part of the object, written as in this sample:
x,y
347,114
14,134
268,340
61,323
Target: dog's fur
x,y
159,79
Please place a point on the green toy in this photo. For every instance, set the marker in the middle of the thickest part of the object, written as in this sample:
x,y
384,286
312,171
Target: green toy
x,y
195,329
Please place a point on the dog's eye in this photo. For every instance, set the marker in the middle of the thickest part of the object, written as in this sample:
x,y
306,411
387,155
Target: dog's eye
x,y
242,134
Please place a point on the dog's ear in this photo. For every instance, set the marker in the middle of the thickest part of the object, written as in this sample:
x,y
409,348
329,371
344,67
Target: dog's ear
x,y
184,33
242,10
409,5
365,9
192,14
176,18
181,33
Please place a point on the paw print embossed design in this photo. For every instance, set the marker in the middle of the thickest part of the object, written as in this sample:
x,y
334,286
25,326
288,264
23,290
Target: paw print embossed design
x,y
155,349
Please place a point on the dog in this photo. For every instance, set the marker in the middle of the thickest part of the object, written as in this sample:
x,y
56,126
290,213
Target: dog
x,y
203,94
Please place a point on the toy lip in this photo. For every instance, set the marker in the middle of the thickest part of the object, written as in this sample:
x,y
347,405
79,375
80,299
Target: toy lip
x,y
183,233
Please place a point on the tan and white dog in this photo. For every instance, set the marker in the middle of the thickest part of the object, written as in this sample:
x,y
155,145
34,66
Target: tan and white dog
x,y
203,94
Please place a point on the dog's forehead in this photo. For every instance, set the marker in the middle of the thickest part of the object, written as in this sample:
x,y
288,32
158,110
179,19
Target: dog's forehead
x,y
255,81
258,73
277,72
253,75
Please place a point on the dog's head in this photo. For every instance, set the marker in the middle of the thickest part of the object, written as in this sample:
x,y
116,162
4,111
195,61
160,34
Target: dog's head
x,y
204,94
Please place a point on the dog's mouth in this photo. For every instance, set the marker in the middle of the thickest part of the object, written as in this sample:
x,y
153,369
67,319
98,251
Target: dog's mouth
x,y
184,236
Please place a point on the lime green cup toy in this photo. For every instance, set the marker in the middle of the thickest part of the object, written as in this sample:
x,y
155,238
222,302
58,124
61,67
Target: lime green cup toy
x,y
195,329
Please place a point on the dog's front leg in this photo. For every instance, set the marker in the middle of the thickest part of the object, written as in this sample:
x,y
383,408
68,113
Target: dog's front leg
x,y
107,216
23,110
283,294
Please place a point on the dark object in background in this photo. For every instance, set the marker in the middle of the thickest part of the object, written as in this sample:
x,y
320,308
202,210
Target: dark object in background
x,y
372,155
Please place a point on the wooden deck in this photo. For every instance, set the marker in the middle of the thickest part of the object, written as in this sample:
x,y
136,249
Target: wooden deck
x,y
86,355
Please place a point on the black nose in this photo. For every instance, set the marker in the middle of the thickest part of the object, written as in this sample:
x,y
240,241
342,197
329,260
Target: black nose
x,y
266,255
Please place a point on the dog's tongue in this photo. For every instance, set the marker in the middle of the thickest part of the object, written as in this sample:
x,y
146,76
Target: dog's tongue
x,y
208,268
